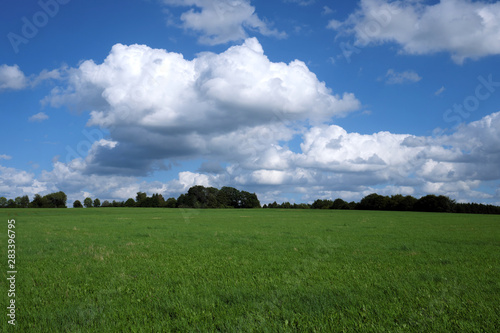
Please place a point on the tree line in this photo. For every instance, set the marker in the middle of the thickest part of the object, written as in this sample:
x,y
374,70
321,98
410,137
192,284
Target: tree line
x,y
374,201
196,197
228,197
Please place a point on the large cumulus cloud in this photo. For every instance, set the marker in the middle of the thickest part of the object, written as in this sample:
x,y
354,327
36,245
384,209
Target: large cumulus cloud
x,y
158,105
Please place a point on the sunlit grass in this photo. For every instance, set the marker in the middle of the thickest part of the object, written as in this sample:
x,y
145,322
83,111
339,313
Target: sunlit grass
x,y
261,270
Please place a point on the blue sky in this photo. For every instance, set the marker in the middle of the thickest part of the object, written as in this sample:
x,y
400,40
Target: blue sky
x,y
294,100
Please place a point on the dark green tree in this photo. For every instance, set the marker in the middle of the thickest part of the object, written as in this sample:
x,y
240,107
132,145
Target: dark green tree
x,y
56,200
322,204
249,200
339,204
77,204
87,202
97,202
170,203
433,203
130,203
374,201
141,196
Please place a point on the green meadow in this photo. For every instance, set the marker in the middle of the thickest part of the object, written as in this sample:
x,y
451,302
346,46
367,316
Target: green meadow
x,y
254,270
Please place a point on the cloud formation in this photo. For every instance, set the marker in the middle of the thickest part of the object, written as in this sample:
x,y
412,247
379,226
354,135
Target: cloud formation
x,y
393,77
158,105
222,21
249,123
39,117
12,78
331,163
465,29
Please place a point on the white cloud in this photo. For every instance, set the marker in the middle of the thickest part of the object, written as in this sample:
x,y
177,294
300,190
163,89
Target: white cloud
x,y
222,21
327,10
39,117
11,77
5,157
159,105
302,2
463,28
393,77
45,75
440,91
334,24
332,163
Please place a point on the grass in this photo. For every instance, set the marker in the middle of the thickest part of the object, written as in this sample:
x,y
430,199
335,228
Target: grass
x,y
173,270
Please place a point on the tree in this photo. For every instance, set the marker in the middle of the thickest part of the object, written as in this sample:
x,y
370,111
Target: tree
x,y
374,202
97,202
322,204
25,201
402,203
106,204
87,202
3,202
181,201
130,203
249,200
339,204
39,202
170,203
22,202
229,197
432,203
156,200
140,197
77,204
56,200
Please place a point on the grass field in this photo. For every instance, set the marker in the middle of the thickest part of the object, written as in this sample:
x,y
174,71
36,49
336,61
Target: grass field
x,y
262,270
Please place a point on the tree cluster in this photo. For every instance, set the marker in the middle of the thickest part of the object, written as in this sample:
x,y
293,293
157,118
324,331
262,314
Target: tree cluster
x,y
374,201
196,197
52,200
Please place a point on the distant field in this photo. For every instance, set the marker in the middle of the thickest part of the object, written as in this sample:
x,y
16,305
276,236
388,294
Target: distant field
x,y
260,270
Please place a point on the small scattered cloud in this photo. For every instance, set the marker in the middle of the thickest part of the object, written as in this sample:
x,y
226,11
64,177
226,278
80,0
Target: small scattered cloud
x,y
12,78
440,91
45,75
301,2
327,10
39,117
5,157
221,21
334,24
393,77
